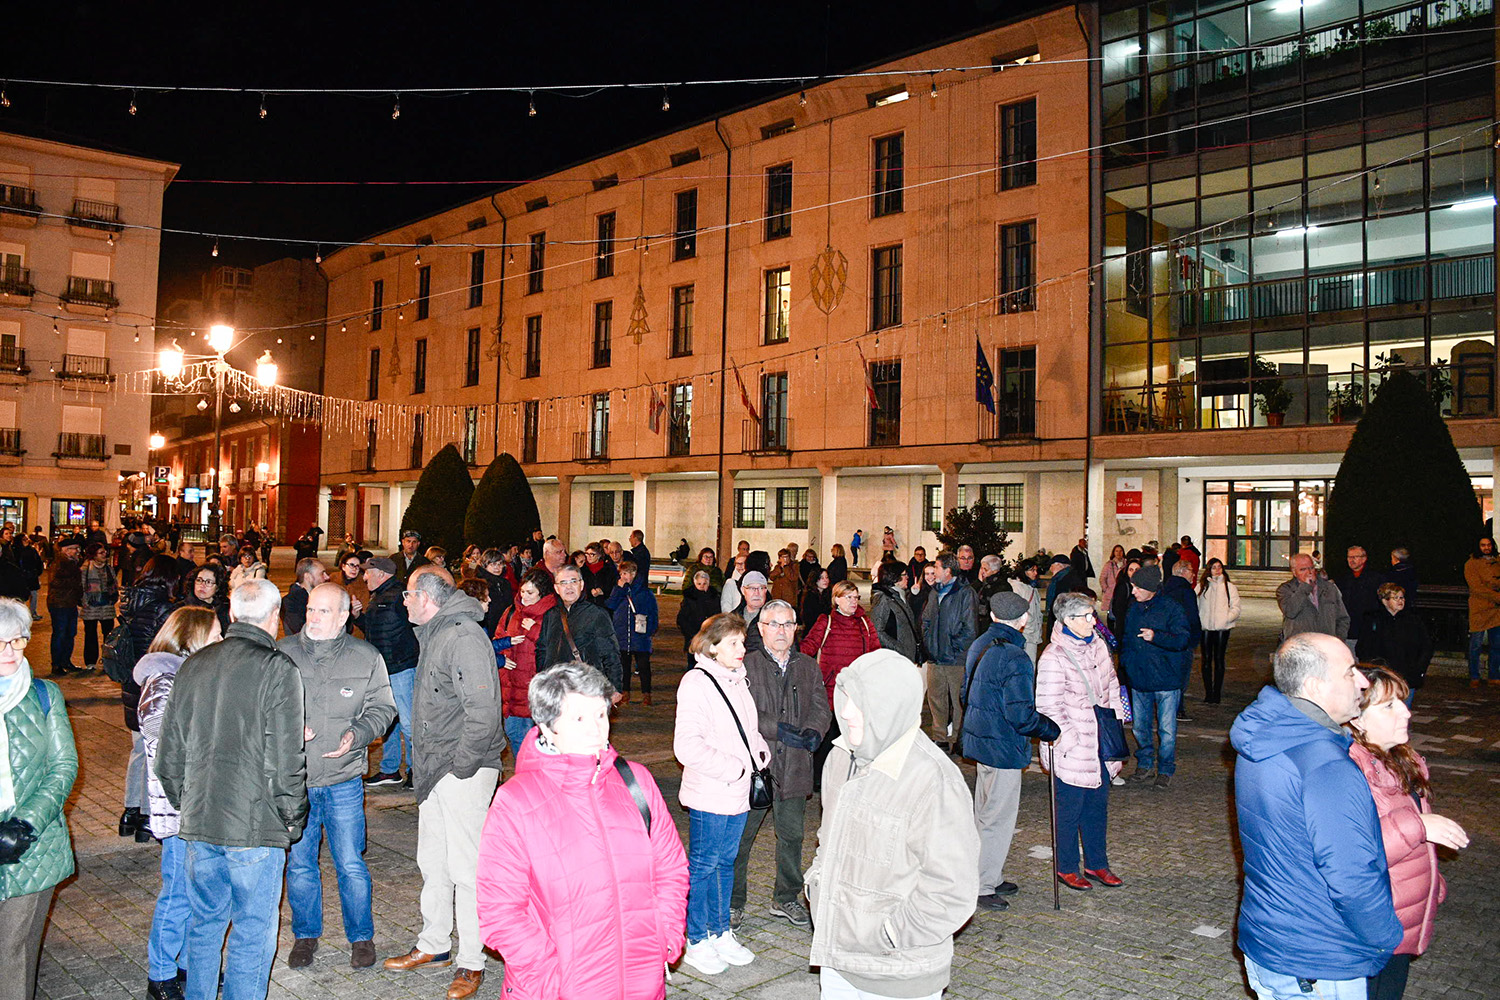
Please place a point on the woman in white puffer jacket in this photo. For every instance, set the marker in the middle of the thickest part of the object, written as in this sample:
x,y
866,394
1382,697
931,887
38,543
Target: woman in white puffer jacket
x,y
1219,610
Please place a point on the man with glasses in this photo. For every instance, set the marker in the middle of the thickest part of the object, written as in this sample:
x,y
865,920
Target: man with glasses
x,y
347,706
791,706
575,629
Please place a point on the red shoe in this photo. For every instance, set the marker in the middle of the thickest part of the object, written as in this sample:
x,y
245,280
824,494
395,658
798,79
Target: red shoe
x,y
1104,877
1074,881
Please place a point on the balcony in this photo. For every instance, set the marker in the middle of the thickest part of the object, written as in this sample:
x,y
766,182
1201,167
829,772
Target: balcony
x,y
80,448
89,217
767,436
13,363
589,447
16,281
362,460
1014,419
19,203
679,438
246,476
96,295
10,446
85,370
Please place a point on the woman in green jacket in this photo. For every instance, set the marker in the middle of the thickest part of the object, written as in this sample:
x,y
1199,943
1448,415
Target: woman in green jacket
x,y
38,764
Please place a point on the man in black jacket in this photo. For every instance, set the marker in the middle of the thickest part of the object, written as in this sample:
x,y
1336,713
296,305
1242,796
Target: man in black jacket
x,y
409,558
231,760
1358,589
310,573
574,629
387,628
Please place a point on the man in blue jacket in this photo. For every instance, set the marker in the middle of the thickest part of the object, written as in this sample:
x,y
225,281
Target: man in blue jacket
x,y
633,608
1317,917
1152,646
1178,585
999,723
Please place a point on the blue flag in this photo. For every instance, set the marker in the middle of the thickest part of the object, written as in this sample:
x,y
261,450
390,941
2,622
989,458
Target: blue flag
x,y
984,379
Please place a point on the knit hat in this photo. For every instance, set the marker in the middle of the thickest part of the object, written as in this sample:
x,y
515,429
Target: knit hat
x,y
382,563
1008,606
1148,578
1061,560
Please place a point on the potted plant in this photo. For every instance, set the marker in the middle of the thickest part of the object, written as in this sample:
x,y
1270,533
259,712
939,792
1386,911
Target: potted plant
x,y
1345,402
1272,396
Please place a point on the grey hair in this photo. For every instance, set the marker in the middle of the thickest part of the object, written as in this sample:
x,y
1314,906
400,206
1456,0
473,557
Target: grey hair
x,y
1070,604
1183,569
305,566
433,585
254,601
777,605
1401,552
551,686
993,563
15,619
568,568
1297,661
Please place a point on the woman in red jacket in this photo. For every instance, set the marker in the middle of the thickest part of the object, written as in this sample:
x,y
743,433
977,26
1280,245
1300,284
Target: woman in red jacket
x,y
515,644
835,640
581,890
1399,781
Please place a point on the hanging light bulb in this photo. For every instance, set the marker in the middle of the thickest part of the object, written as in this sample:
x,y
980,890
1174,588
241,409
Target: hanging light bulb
x,y
400,313
343,328
110,239
531,104
419,258
396,109
802,99
510,258
278,340
318,255
216,247
933,92
202,404
262,106
55,330
137,336
132,102
666,102
234,407
1377,182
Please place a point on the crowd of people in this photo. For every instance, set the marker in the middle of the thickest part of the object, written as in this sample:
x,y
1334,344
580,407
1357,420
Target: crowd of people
x,y
251,712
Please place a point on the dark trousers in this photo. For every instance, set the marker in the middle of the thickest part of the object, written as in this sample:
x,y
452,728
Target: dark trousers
x,y
1082,812
1215,645
1390,982
94,633
789,816
64,634
22,920
642,667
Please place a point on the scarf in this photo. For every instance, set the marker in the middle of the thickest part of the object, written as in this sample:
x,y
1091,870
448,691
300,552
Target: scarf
x,y
12,690
1080,638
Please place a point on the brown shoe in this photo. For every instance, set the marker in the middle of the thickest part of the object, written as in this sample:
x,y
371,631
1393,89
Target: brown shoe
x,y
624,697
465,982
361,954
646,700
414,958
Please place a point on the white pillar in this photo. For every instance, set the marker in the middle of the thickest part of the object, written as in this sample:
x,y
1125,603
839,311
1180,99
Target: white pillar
x,y
828,518
1093,524
395,507
323,498
645,513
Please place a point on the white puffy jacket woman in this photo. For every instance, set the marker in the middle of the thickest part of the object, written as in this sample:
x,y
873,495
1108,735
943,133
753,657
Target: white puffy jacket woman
x,y
1219,611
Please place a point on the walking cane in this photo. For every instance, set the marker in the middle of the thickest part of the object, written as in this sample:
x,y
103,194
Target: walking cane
x,y
1052,823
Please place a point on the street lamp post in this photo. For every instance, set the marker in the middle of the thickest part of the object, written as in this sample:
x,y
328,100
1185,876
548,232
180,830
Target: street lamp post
x,y
158,442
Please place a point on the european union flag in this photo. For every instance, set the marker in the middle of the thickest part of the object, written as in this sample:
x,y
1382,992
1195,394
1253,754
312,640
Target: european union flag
x,y
984,379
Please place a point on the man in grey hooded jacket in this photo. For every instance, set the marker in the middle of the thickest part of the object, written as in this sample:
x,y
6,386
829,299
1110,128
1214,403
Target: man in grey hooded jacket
x,y
897,834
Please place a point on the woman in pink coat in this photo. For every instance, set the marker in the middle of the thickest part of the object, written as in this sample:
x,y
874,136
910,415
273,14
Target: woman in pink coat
x,y
1073,675
1398,781
580,891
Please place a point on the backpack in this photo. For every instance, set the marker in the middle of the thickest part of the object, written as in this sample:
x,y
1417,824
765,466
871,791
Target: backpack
x,y
119,656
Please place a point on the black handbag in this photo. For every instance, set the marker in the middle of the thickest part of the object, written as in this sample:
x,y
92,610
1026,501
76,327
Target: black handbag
x,y
119,656
1112,745
760,777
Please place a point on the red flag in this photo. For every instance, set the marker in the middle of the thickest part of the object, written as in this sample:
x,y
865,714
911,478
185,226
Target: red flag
x,y
744,395
869,383
655,406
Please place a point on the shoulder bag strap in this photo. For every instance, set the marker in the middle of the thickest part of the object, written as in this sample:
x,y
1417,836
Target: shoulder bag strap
x,y
826,630
568,633
733,714
635,791
43,696
1093,698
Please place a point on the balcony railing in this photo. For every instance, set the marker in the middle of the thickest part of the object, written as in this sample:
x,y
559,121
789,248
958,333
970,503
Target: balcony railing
x,y
246,476
361,460
15,198
589,447
90,292
95,215
84,366
13,361
766,436
16,280
1014,418
10,441
74,445
679,438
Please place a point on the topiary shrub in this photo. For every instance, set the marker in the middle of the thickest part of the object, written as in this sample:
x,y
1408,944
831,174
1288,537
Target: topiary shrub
x,y
977,526
439,503
1401,483
503,510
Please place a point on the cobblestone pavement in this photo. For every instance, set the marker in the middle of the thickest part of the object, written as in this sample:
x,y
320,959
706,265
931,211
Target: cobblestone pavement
x,y
1168,933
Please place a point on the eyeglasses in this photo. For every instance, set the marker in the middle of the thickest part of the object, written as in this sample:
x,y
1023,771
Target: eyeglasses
x,y
781,625
18,643
410,593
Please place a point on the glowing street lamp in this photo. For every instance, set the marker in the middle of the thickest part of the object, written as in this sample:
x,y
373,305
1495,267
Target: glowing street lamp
x,y
158,442
171,360
265,370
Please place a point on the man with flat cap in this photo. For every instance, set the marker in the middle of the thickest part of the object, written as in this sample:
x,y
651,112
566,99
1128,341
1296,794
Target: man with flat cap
x,y
1151,648
409,558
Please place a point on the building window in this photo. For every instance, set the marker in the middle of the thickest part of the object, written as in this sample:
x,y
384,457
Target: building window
x,y
419,368
424,292
533,347
779,202
531,412
418,442
601,507
775,423
932,507
680,422
1018,267
1009,500
1015,399
471,357
778,305
536,263
791,507
627,514
599,426
471,434
1137,263
604,313
604,249
885,417
750,508
889,174
377,304
1018,144
372,383
682,321
886,288
476,278
685,232
370,443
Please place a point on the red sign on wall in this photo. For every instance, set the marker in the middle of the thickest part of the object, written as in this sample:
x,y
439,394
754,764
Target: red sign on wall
x,y
1129,498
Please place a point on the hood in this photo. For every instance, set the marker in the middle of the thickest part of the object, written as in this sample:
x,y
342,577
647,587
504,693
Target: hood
x,y
563,770
156,663
886,687
458,605
1272,725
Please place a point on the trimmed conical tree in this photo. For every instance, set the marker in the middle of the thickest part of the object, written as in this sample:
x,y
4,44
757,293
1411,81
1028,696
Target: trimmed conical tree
x,y
1401,483
503,510
977,526
440,501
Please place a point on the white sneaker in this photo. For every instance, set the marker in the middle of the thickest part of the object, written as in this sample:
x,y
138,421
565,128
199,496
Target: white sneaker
x,y
703,956
731,950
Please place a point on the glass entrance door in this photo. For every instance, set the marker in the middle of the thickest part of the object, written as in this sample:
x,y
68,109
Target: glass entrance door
x,y
1261,530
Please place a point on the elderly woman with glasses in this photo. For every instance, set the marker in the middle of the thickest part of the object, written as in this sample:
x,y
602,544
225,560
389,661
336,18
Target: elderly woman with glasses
x,y
38,764
582,882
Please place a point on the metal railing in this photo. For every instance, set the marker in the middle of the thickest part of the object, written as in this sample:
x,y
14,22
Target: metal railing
x,y
90,292
679,437
1014,418
13,360
71,444
10,441
766,436
95,215
245,475
588,447
15,198
16,280
85,366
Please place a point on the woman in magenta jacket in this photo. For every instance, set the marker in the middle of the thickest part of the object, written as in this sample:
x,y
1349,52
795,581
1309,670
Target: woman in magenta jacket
x,y
578,897
1399,781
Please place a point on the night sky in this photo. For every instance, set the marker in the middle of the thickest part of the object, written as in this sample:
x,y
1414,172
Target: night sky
x,y
487,139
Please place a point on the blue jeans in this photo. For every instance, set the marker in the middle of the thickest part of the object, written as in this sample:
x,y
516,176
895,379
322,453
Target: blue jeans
x,y
64,634
165,949
339,811
402,685
1082,812
1270,985
713,844
242,886
1477,642
516,728
1155,709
